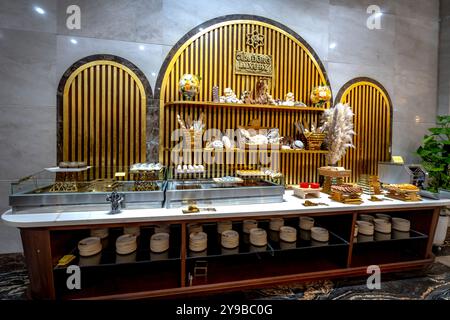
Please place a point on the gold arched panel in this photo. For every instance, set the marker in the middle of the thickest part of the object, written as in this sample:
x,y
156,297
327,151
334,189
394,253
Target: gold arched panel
x,y
372,107
208,51
102,116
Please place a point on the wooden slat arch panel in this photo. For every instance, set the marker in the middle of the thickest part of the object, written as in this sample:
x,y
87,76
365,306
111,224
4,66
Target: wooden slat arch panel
x,y
208,51
102,115
372,107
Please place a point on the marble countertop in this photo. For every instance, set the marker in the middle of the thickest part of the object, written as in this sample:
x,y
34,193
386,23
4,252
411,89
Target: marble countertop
x,y
292,205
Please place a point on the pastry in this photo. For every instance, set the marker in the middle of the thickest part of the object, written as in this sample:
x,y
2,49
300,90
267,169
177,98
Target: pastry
x,y
126,244
319,234
101,233
288,234
89,246
159,242
224,226
258,237
276,224
229,239
248,225
198,241
306,223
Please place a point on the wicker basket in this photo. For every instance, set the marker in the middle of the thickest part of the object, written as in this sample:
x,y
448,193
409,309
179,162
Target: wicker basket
x,y
191,135
314,140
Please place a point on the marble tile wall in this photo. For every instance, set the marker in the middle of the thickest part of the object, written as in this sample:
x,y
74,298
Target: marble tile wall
x,y
444,59
36,49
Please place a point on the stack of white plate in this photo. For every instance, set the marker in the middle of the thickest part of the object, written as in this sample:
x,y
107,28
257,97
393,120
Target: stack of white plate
x,y
355,232
229,239
224,226
364,238
383,216
226,251
101,233
134,231
129,258
162,228
126,244
306,223
382,225
257,248
258,237
287,245
159,242
320,234
400,224
366,228
195,227
288,234
159,256
366,217
248,225
90,261
198,241
89,246
380,236
276,224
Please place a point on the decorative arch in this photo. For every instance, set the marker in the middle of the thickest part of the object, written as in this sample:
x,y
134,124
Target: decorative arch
x,y
102,108
372,107
208,49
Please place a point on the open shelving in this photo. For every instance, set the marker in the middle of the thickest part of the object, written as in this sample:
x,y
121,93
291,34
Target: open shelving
x,y
241,106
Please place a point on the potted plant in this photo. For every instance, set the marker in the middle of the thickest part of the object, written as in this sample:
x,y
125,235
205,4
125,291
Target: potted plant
x,y
435,155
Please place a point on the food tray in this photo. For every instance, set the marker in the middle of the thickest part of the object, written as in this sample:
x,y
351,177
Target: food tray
x,y
62,170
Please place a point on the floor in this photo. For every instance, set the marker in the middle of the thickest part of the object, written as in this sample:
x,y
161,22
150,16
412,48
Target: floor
x,y
431,283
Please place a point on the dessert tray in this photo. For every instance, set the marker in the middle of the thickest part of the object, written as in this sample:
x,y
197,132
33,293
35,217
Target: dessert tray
x,y
403,192
346,194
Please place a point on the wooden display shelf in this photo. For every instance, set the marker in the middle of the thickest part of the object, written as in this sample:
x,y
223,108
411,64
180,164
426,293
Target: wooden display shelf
x,y
303,262
241,106
291,151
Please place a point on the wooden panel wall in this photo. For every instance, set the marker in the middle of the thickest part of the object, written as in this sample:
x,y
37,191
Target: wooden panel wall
x,y
373,126
209,53
104,117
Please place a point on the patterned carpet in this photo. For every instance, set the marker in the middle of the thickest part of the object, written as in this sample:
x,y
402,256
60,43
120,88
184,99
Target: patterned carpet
x,y
433,283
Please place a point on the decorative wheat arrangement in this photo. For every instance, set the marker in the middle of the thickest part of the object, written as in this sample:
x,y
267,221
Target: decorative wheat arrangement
x,y
338,123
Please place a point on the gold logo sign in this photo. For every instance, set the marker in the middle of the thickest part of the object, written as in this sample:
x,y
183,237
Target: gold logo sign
x,y
253,64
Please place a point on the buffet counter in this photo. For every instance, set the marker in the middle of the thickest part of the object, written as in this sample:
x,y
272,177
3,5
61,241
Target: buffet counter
x,y
253,255
37,217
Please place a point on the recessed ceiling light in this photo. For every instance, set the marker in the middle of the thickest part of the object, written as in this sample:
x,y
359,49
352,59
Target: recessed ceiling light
x,y
141,47
39,10
333,45
74,41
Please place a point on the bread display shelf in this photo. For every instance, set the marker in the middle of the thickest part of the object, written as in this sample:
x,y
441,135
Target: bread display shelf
x,y
241,106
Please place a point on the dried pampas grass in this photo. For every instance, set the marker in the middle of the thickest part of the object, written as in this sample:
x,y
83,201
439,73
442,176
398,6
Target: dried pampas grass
x,y
338,123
